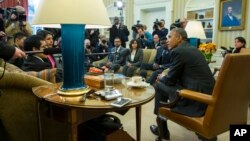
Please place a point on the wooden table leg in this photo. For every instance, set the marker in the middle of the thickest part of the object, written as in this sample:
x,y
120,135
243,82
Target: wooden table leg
x,y
138,123
73,124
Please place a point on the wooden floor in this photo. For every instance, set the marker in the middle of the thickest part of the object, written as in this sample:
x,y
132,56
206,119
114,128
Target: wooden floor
x,y
177,132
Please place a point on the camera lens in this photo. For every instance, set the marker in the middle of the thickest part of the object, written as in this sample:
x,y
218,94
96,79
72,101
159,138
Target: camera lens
x,y
104,41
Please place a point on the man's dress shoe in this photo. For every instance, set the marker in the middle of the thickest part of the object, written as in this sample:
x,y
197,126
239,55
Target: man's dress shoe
x,y
154,130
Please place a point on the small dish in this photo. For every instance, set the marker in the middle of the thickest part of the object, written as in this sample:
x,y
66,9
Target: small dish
x,y
140,85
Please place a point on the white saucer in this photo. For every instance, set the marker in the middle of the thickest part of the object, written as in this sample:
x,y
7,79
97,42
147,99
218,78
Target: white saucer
x,y
139,85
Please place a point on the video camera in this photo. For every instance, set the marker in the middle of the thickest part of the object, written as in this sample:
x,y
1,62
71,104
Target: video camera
x,y
137,25
9,11
157,22
104,41
156,25
176,24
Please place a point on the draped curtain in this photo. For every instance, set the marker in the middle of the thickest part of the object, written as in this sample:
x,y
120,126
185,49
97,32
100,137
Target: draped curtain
x,y
12,3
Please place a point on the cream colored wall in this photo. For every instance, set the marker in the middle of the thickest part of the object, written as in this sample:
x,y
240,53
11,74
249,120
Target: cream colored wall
x,y
147,11
221,38
178,10
226,38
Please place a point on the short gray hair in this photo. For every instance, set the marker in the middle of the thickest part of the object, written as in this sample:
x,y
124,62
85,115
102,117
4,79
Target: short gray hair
x,y
182,32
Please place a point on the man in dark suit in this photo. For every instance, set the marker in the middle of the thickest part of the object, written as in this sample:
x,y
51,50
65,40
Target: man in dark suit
x,y
230,19
118,58
156,42
188,70
161,62
118,30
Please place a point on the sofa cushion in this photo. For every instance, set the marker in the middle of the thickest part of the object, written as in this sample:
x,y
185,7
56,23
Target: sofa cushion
x,y
152,56
149,55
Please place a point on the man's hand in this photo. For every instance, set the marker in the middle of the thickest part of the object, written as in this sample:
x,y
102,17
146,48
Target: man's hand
x,y
129,64
108,64
2,34
18,54
155,66
23,23
158,78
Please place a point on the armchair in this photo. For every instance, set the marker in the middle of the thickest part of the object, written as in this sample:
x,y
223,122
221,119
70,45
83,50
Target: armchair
x,y
227,105
18,112
243,50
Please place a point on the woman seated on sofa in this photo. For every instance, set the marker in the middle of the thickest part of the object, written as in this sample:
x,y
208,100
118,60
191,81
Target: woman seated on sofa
x,y
48,38
134,59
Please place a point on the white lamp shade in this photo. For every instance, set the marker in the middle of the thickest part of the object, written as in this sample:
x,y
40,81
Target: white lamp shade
x,y
52,13
194,29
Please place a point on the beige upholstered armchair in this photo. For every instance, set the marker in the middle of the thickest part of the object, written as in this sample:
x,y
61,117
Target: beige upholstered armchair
x,y
18,111
243,50
228,103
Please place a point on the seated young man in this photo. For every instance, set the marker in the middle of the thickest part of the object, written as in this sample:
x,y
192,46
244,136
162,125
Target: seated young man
x,y
18,43
36,61
118,58
161,62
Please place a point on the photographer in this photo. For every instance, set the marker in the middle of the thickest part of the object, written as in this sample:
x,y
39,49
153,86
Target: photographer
x,y
92,35
89,50
134,28
159,28
103,46
179,23
16,22
144,37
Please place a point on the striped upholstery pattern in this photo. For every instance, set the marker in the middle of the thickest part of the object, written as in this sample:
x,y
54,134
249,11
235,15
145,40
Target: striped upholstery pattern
x,y
47,74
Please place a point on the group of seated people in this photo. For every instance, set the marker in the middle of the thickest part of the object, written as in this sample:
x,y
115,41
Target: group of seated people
x,y
132,59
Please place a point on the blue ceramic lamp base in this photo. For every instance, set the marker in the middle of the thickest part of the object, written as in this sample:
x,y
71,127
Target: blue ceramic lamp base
x,y
73,60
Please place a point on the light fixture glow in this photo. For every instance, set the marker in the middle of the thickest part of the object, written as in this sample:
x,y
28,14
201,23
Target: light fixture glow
x,y
194,29
119,4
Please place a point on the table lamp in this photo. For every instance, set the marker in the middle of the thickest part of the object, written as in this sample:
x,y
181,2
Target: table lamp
x,y
72,16
195,32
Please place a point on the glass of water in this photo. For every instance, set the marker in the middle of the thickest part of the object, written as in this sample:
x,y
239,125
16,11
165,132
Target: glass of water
x,y
109,80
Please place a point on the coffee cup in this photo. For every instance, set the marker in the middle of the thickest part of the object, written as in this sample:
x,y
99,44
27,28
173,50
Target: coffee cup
x,y
138,80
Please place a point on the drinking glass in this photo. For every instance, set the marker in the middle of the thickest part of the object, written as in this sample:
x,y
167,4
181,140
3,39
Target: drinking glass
x,y
108,80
